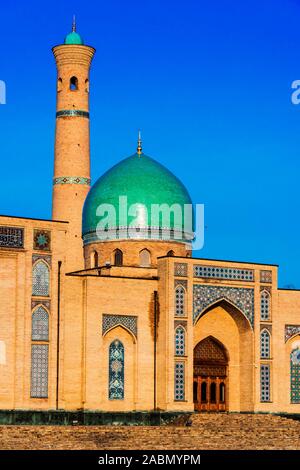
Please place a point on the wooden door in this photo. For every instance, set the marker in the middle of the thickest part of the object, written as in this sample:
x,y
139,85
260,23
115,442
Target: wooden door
x,y
210,376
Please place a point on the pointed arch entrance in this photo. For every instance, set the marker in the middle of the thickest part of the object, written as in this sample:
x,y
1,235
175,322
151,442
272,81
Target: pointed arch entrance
x,y
210,375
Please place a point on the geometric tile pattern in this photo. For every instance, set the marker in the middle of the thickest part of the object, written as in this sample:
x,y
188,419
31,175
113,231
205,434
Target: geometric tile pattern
x,y
205,295
11,237
265,276
39,371
41,240
179,385
45,257
128,321
180,269
295,376
116,371
40,325
40,279
217,272
291,330
35,303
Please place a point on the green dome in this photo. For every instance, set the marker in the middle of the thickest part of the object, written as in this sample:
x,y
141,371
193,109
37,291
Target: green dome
x,y
144,182
74,38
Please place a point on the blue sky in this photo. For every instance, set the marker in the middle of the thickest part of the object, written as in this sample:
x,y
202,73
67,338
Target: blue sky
x,y
209,84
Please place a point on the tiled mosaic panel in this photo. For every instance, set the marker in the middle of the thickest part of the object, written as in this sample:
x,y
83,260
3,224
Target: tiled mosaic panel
x,y
290,331
46,258
40,325
265,276
179,341
11,237
116,370
264,344
128,321
39,371
218,272
179,301
205,295
180,269
295,376
179,380
265,302
36,302
265,394
40,279
41,240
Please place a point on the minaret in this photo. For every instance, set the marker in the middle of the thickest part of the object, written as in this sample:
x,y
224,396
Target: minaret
x,y
71,182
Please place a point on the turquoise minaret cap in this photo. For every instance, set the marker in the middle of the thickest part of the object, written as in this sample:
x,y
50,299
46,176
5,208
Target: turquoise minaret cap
x,y
144,182
73,37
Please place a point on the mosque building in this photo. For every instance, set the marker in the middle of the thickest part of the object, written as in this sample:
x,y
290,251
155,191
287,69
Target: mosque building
x,y
109,319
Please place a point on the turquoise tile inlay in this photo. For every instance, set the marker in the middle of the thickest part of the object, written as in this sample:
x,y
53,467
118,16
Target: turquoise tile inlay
x,y
72,180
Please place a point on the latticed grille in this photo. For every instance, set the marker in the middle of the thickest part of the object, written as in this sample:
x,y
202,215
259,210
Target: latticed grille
x,y
264,305
179,301
39,370
179,341
40,325
295,376
265,344
40,279
179,391
265,394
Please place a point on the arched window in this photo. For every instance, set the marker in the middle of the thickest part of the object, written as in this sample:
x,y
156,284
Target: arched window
x,y
95,259
40,325
222,392
213,392
203,392
116,371
59,84
295,376
179,301
265,305
40,279
87,86
73,83
145,259
179,341
170,253
118,257
265,344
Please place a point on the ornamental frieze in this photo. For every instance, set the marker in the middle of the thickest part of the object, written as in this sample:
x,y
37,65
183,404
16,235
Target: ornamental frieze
x,y
71,180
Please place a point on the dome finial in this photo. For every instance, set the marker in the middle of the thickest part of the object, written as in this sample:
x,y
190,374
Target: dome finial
x,y
139,147
74,24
